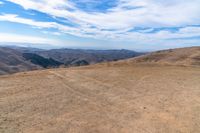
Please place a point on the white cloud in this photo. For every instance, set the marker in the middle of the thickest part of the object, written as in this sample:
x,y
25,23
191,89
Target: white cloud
x,y
38,24
16,19
53,33
13,38
117,21
140,36
1,3
152,13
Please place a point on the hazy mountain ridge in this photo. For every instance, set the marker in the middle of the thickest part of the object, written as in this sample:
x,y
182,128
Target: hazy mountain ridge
x,y
21,59
41,61
17,59
12,61
68,56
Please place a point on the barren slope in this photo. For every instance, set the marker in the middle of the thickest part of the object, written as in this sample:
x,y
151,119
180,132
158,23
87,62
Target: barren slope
x,y
102,98
183,56
119,97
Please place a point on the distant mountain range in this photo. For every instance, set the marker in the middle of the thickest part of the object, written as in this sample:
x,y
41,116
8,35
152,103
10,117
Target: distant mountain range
x,y
12,61
77,57
17,59
41,61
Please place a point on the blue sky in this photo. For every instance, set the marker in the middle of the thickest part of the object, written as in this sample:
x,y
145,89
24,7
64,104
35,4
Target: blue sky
x,y
101,24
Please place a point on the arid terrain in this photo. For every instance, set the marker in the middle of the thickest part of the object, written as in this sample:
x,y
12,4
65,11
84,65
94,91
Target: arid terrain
x,y
122,97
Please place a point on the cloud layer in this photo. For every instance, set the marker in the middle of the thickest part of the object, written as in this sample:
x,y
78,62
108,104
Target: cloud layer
x,y
13,38
140,21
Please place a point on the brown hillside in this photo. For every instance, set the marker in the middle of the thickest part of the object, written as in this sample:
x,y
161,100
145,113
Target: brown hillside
x,y
104,98
182,56
12,61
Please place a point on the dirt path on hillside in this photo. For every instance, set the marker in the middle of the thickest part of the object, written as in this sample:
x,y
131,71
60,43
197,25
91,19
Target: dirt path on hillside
x,y
104,99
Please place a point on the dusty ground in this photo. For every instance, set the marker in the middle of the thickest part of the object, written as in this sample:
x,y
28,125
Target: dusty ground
x,y
102,98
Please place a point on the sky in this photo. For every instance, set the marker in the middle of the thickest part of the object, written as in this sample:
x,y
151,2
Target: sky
x,y
101,24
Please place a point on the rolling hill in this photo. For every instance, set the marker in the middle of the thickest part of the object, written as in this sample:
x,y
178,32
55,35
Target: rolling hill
x,y
12,61
181,56
71,57
41,61
17,59
141,95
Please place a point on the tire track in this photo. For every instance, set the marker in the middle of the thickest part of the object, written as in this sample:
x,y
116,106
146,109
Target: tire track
x,y
108,86
78,93
103,107
141,80
115,97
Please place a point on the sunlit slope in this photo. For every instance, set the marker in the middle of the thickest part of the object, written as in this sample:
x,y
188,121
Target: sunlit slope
x,y
122,97
182,56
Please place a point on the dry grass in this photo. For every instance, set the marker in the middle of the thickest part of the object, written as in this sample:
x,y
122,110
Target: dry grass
x,y
122,98
182,56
